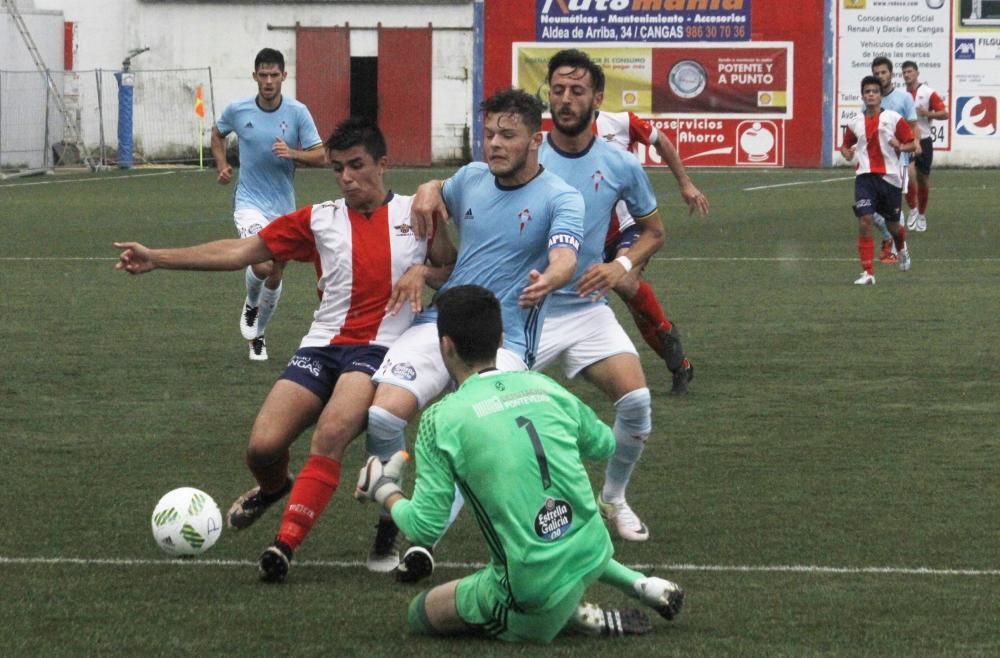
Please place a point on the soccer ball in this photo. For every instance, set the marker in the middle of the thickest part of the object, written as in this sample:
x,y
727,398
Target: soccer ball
x,y
186,522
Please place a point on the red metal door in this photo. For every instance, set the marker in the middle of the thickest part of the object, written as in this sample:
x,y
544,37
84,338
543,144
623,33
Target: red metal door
x,y
404,93
323,74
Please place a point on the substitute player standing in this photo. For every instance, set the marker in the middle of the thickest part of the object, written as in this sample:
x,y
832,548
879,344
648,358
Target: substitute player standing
x,y
929,106
275,133
876,138
514,444
622,130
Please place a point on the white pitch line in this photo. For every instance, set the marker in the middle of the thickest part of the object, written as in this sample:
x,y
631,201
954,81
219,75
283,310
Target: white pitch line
x,y
88,180
357,564
801,182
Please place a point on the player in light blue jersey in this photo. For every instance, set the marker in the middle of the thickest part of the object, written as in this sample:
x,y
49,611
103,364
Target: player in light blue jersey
x,y
900,101
519,228
275,133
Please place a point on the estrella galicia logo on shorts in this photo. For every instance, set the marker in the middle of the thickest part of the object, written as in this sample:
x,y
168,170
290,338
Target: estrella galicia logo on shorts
x,y
977,116
305,363
965,48
404,371
554,519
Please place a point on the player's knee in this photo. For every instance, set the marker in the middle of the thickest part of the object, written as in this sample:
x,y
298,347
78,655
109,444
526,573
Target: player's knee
x,y
416,616
634,412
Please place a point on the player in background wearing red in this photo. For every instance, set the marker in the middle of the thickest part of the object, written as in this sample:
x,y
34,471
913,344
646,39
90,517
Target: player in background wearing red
x,y
929,106
622,130
372,276
876,138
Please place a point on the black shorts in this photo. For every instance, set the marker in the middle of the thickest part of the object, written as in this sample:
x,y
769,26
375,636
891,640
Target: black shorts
x,y
873,195
319,368
624,240
926,158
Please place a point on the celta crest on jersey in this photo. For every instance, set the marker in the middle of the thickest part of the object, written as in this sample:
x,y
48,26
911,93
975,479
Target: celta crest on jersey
x,y
597,177
524,217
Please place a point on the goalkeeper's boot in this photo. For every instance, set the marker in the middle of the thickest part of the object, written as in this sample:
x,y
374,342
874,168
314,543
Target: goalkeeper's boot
x,y
904,259
251,506
274,562
384,557
417,563
626,522
665,597
592,619
258,349
248,320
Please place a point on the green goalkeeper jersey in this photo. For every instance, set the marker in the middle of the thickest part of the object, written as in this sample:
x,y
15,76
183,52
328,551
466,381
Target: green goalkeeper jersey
x,y
513,442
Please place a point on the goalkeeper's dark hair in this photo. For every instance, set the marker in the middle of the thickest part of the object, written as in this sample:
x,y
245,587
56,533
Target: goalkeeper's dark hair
x,y
882,60
870,80
470,317
577,59
357,131
515,101
269,56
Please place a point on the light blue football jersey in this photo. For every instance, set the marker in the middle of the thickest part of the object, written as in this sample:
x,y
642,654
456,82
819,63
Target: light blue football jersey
x,y
504,233
603,174
901,102
266,182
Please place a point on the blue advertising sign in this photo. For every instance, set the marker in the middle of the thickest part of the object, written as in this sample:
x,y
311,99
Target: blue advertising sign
x,y
642,20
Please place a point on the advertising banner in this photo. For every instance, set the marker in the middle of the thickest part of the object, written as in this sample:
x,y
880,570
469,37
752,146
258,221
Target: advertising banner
x,y
976,71
735,81
642,20
914,30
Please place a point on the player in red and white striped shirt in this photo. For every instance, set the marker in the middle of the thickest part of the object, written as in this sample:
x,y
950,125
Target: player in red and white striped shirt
x,y
875,138
622,130
929,106
372,275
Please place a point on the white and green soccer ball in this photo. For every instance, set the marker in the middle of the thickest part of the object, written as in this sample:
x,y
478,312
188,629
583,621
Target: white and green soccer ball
x,y
186,522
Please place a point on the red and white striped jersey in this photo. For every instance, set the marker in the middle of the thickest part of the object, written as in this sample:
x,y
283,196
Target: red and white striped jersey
x,y
927,98
360,259
874,154
622,130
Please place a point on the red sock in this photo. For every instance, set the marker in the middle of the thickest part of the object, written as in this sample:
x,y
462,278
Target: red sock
x,y
911,194
648,315
866,252
270,475
313,489
900,240
922,197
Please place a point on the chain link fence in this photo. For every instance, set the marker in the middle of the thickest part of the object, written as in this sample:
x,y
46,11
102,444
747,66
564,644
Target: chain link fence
x,y
166,128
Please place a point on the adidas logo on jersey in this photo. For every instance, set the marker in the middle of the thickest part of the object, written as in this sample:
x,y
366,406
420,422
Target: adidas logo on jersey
x,y
468,216
249,124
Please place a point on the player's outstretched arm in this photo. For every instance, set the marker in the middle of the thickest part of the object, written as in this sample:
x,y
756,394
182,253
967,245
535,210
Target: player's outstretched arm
x,y
695,200
427,208
562,264
219,255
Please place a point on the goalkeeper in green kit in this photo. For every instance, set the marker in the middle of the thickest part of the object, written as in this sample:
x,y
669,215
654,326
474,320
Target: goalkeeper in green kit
x,y
513,443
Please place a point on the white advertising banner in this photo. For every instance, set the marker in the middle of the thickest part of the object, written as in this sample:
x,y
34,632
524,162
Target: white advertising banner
x,y
902,30
976,63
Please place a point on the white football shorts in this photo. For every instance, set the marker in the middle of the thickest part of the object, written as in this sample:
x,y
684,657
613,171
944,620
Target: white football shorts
x,y
249,221
581,338
414,363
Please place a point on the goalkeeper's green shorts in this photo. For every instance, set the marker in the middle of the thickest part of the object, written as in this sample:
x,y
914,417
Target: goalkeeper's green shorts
x,y
481,601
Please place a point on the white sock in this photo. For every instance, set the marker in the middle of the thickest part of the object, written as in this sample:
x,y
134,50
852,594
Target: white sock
x,y
879,222
253,287
268,301
633,423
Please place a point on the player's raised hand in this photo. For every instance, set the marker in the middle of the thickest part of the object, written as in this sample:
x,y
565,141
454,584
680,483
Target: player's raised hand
x,y
281,149
225,174
599,278
409,288
134,258
695,200
428,205
378,481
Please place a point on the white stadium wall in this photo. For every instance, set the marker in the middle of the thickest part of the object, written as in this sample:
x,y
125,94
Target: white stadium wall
x,y
226,35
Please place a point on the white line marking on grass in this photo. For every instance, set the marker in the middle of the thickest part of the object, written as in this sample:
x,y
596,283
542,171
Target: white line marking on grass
x,y
800,182
89,180
357,564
